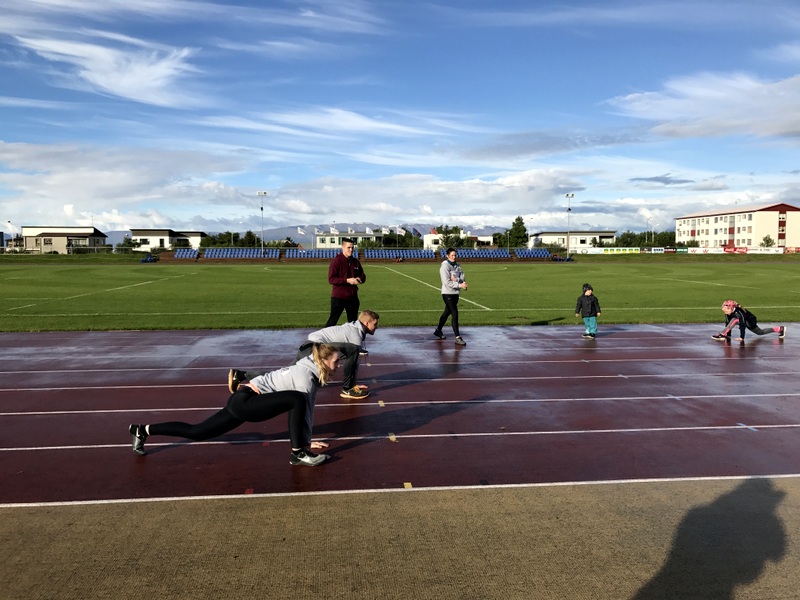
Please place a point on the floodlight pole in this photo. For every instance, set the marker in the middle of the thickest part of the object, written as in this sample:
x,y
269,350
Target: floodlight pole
x,y
569,198
262,195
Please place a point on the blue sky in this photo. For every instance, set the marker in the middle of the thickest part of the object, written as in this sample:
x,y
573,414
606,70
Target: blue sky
x,y
166,113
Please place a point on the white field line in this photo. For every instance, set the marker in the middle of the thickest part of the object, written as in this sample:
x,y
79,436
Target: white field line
x,y
387,311
752,427
391,403
92,293
438,289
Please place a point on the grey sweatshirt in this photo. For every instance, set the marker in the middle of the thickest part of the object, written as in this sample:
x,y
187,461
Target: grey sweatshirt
x,y
452,276
302,377
349,333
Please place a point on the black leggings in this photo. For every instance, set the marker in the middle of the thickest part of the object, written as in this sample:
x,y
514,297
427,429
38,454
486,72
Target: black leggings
x,y
243,406
450,308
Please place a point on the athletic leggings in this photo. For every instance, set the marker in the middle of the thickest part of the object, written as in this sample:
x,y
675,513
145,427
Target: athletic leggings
x,y
244,406
450,309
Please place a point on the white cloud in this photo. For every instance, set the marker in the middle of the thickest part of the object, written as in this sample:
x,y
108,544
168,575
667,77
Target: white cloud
x,y
710,104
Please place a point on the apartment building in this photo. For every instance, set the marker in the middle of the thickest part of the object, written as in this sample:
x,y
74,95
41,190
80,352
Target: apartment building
x,y
741,226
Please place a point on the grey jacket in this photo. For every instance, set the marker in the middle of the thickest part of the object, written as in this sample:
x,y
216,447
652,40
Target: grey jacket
x,y
451,276
349,333
302,377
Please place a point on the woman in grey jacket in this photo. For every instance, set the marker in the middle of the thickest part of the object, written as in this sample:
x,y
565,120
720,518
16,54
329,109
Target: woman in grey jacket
x,y
452,283
291,389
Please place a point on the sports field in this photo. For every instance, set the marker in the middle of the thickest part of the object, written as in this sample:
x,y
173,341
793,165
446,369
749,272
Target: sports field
x,y
86,296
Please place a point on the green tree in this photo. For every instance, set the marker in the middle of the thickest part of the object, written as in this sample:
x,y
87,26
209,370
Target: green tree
x,y
518,234
128,244
767,242
450,237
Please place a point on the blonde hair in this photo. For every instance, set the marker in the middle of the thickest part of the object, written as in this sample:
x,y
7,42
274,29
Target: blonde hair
x,y
320,353
368,315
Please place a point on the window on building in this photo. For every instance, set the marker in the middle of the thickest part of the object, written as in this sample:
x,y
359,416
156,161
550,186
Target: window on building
x,y
750,217
47,241
144,241
749,242
781,216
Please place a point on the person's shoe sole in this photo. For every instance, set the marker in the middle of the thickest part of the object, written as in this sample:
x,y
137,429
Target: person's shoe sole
x,y
782,334
233,383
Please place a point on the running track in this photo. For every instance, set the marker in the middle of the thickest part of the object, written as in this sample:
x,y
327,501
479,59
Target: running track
x,y
518,405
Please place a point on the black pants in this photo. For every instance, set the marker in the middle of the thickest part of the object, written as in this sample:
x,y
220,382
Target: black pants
x,y
339,305
450,309
244,406
348,356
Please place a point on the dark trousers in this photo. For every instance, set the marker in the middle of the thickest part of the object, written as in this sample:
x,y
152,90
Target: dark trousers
x,y
244,406
348,358
450,309
339,305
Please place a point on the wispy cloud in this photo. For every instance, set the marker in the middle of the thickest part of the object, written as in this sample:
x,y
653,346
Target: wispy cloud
x,y
709,104
151,77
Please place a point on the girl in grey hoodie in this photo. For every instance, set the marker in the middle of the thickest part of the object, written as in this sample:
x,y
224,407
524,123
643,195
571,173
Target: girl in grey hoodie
x,y
288,390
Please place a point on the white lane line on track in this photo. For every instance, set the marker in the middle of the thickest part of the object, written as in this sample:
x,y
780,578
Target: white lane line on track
x,y
410,436
390,403
403,490
409,380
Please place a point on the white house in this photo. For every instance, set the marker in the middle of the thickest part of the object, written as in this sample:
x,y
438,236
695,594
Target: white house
x,y
741,226
61,240
578,240
164,239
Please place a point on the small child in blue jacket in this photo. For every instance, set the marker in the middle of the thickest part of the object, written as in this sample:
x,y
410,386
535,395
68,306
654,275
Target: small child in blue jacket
x,y
588,307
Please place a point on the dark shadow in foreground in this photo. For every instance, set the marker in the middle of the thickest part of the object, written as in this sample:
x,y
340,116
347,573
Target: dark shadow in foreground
x,y
722,545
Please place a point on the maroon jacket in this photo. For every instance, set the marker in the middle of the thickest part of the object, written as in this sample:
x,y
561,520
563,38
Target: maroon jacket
x,y
342,269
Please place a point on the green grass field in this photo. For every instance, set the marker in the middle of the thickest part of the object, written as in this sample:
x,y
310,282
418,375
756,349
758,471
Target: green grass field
x,y
84,295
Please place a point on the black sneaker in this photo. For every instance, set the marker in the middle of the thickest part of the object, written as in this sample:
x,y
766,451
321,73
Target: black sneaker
x,y
308,458
782,333
460,341
587,336
438,333
138,437
720,337
235,377
592,335
363,351
354,393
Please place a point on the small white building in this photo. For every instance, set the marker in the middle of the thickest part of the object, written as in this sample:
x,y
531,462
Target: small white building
x,y
165,239
578,240
741,226
432,241
60,240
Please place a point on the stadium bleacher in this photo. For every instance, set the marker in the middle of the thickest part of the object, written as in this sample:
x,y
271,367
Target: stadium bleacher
x,y
540,253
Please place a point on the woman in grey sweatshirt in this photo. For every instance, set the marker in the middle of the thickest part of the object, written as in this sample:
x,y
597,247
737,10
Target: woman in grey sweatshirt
x,y
288,390
452,283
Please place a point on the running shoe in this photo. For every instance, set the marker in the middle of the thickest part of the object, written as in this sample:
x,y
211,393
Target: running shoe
x,y
308,458
138,437
438,333
354,393
719,337
782,332
363,351
587,336
235,377
460,341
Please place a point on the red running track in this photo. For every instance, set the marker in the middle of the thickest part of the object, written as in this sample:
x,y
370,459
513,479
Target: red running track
x,y
518,405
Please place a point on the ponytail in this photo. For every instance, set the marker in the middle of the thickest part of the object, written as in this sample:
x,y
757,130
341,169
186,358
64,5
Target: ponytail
x,y
320,353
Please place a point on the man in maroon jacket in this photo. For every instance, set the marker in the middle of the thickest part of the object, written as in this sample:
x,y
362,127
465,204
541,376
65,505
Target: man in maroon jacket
x,y
345,274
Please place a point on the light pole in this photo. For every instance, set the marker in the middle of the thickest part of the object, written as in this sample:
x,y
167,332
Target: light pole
x,y
646,227
262,195
569,198
13,241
